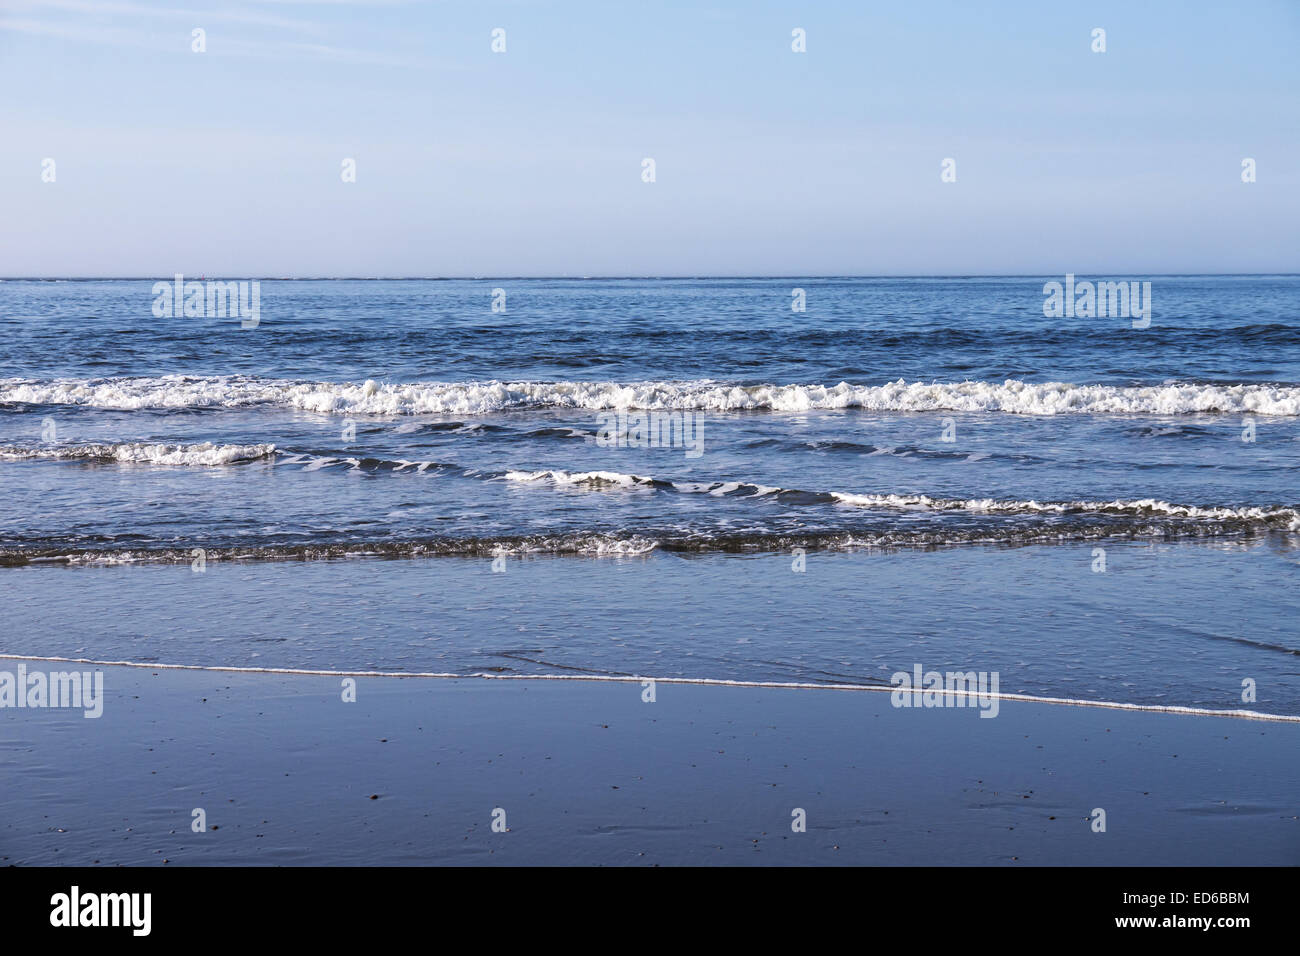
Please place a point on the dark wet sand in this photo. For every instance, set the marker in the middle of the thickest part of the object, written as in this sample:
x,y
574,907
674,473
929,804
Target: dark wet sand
x,y
588,773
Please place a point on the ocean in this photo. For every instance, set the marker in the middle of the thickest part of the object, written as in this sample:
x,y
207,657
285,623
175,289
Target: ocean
x,y
672,478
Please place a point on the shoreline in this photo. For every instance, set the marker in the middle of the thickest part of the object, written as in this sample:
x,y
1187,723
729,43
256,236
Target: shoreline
x,y
690,681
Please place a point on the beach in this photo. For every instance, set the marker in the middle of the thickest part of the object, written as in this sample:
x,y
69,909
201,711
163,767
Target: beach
x,y
591,773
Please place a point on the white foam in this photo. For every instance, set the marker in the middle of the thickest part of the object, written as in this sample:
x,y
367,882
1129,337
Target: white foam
x,y
578,478
699,681
203,453
1144,507
469,398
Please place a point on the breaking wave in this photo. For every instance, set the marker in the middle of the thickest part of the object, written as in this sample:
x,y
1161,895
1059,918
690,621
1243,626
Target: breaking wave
x,y
1270,516
470,398
203,453
616,544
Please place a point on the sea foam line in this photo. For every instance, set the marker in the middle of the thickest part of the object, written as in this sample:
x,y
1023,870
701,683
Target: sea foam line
x,y
151,453
469,398
702,681
1142,507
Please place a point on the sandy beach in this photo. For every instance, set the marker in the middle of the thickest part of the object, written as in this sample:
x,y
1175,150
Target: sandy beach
x,y
587,772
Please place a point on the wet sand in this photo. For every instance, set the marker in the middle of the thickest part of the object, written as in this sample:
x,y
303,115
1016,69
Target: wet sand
x,y
587,772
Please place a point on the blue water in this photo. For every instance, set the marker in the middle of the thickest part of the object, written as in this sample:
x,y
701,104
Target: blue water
x,y
905,433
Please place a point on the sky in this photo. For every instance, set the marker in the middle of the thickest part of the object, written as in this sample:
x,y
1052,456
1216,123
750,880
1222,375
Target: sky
x,y
470,162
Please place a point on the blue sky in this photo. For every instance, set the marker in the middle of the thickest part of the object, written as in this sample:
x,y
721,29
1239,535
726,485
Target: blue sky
x,y
768,162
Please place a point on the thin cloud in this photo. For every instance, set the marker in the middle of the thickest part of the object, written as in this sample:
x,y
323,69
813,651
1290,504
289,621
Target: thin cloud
x,y
122,9
147,32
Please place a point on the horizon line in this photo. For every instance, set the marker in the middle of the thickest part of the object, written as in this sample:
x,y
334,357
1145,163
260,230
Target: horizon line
x,y
613,277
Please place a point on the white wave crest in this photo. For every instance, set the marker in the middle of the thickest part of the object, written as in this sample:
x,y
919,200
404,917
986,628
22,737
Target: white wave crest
x,y
203,453
469,398
579,477
1142,507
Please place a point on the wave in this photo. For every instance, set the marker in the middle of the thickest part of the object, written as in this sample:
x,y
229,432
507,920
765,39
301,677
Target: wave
x,y
203,453
320,461
474,398
1270,516
578,543
1146,507
625,544
210,454
596,479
